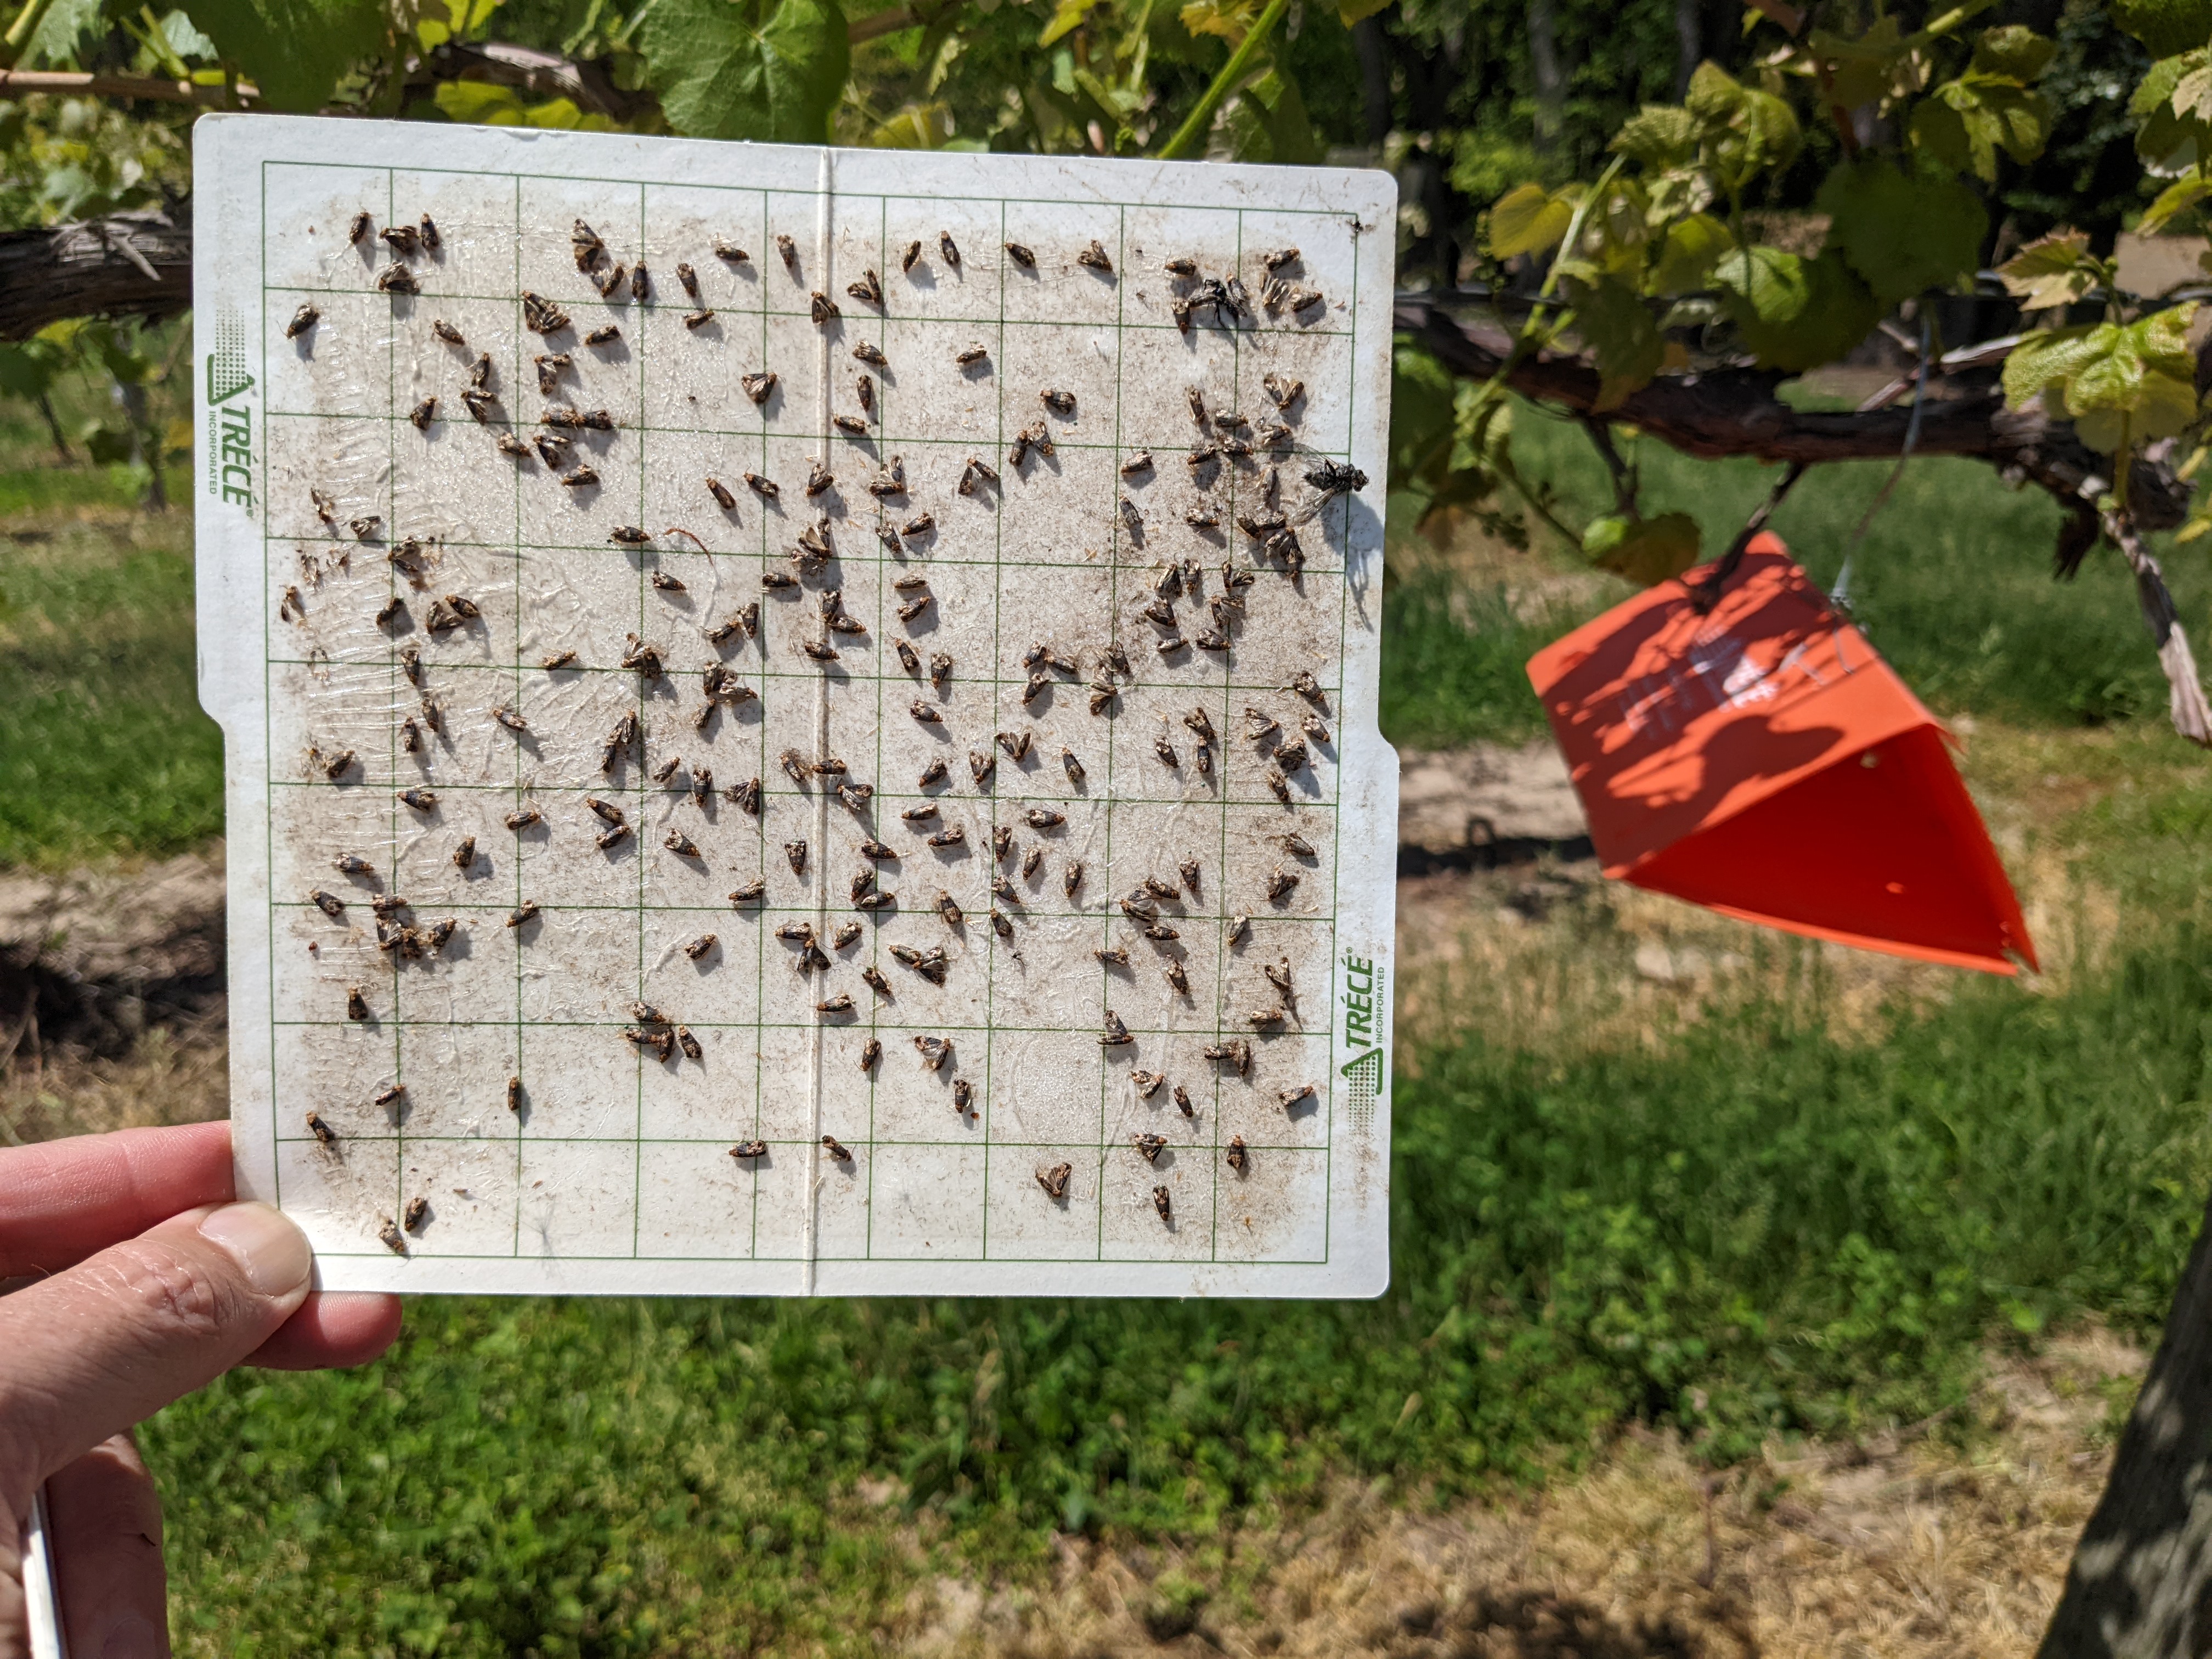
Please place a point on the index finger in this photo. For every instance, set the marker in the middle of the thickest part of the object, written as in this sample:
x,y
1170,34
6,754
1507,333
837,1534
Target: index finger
x,y
63,1200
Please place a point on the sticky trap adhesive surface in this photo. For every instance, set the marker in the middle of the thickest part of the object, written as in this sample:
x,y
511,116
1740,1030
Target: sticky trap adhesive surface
x,y
623,817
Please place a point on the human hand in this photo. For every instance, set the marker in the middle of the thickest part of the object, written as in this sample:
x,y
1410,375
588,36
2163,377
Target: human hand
x,y
149,1283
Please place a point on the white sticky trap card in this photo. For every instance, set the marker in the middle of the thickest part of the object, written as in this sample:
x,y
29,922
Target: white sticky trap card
x,y
799,721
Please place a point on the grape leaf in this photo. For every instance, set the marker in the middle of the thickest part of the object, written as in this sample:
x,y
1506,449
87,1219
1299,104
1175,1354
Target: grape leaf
x,y
1795,314
2174,200
1662,136
2167,27
2051,270
1966,122
2170,136
55,39
1527,219
1645,550
1231,19
1742,132
769,70
294,51
1903,235
1620,334
2119,382
2019,53
1687,254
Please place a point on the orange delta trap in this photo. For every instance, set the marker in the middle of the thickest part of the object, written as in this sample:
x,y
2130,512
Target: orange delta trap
x,y
1762,760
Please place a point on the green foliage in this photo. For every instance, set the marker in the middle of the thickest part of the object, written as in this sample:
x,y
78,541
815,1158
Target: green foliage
x,y
2121,384
1794,313
294,51
1902,235
2167,27
766,70
1647,551
1615,324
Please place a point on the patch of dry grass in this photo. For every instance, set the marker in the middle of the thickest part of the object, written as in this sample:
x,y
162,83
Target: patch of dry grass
x,y
1915,1547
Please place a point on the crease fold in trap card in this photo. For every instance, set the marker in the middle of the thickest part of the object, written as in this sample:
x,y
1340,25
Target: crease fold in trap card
x,y
1762,760
799,721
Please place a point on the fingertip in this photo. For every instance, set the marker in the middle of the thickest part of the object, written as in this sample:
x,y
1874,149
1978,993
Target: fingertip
x,y
333,1330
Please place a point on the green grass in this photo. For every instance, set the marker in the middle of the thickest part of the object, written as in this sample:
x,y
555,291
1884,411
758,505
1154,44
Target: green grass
x,y
1952,585
1761,1227
103,748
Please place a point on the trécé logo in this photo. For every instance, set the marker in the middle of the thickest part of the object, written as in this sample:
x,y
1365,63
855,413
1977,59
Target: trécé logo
x,y
230,418
1367,1072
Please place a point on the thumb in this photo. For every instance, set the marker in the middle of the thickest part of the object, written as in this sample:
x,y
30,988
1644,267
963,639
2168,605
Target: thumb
x,y
93,1350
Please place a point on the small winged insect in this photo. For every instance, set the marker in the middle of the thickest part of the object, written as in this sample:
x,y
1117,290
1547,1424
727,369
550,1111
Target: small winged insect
x,y
927,714
329,904
1094,257
789,250
890,481
908,657
1314,727
731,252
1115,1033
869,290
1138,464
1071,878
934,1051
521,914
867,352
1183,1102
522,819
1002,840
947,909
1147,1083
581,477
918,526
818,477
1163,1201
1016,744
1054,1180
630,535
830,1144
745,796
871,1052
976,474
1236,1156
357,231
1277,973
465,853
1299,844
747,1152
1198,721
1132,520
352,864
720,492
424,413
934,772
397,279
681,844
393,1239
970,355
851,425
585,245
356,1003
836,1005
1165,751
1021,256
940,670
422,800
980,764
688,1044
1041,817
864,388
1280,881
750,893
1308,687
795,851
1117,957
302,319
823,308
540,315
875,981
907,259
1282,390
963,1095
1149,1146
1059,401
758,387
953,836
552,449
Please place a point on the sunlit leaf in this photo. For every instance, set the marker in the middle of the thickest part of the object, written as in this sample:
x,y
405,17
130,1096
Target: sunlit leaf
x,y
1648,551
1660,136
2051,270
1231,19
2176,199
1068,15
2019,53
55,41
1687,254
770,69
1527,219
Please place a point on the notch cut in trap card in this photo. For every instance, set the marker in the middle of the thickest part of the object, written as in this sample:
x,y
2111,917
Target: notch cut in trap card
x,y
798,720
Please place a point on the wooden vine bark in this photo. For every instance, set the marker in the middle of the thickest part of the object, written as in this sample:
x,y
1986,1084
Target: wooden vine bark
x,y
127,265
